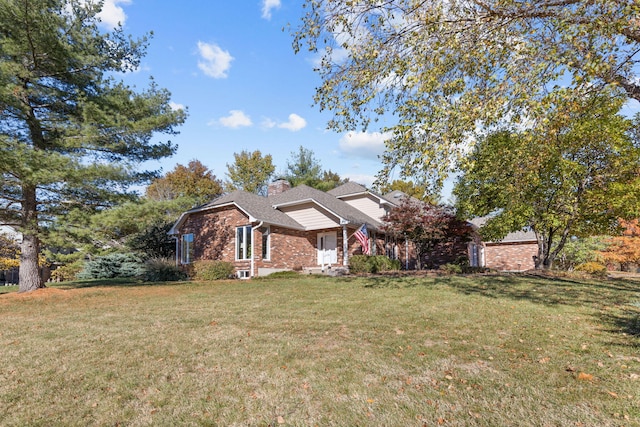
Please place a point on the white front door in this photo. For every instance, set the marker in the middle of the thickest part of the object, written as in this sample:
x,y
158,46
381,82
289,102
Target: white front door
x,y
327,248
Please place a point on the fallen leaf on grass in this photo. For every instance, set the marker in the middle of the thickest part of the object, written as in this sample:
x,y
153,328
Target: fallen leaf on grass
x,y
582,376
280,420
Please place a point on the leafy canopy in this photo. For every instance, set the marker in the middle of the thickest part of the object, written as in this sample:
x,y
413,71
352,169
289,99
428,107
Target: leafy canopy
x,y
441,70
250,172
435,231
576,176
194,181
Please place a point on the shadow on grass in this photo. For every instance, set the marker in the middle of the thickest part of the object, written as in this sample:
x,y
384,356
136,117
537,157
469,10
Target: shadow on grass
x,y
117,282
614,301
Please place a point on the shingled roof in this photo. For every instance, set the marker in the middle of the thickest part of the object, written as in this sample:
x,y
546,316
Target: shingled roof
x,y
260,208
303,193
257,207
351,189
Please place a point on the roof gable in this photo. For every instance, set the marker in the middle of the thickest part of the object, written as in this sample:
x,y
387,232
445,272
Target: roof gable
x,y
303,194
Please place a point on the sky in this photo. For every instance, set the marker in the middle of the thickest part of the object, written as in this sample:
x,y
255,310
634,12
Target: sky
x,y
231,64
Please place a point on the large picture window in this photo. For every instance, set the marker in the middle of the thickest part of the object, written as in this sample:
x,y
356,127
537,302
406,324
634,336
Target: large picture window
x,y
243,242
187,248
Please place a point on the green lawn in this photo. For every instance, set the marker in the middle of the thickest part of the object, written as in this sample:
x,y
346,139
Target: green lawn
x,y
376,351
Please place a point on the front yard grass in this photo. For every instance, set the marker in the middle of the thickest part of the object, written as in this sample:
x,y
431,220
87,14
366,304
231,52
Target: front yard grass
x,y
379,351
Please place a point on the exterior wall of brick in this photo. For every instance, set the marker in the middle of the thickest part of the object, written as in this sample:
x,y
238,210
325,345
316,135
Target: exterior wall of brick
x,y
214,233
510,256
215,239
290,249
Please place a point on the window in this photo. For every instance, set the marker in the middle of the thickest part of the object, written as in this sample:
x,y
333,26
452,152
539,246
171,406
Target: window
x,y
266,243
243,242
187,248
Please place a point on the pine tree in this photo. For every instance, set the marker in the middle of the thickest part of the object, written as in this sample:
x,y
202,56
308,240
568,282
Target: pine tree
x,y
70,134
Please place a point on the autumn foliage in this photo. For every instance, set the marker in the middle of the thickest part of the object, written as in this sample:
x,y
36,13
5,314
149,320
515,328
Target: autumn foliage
x,y
625,249
438,236
9,252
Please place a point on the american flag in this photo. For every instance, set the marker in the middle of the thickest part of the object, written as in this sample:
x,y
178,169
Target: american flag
x,y
363,238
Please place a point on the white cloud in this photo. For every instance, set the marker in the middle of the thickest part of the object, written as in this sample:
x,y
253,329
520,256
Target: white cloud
x,y
175,106
294,124
364,144
214,62
112,14
236,119
268,123
268,6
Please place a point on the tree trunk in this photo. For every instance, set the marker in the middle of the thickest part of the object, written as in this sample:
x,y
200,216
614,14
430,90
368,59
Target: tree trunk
x,y
29,275
543,260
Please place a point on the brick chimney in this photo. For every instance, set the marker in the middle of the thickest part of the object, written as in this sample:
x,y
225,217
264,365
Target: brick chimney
x,y
277,187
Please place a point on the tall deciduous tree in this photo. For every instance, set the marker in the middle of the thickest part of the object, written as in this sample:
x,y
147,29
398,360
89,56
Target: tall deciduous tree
x,y
576,176
194,181
70,134
250,172
442,67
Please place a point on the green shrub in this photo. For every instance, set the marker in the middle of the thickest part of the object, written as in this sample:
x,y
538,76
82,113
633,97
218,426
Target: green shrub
x,y
212,270
372,264
592,268
112,266
380,263
451,268
358,264
68,272
162,270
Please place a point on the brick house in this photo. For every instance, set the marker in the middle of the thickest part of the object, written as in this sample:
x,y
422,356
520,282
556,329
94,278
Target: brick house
x,y
298,228
515,252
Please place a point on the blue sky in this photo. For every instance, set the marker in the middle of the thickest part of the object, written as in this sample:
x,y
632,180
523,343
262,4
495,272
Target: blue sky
x,y
233,67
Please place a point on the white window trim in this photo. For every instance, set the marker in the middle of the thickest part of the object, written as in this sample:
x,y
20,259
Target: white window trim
x,y
246,232
186,248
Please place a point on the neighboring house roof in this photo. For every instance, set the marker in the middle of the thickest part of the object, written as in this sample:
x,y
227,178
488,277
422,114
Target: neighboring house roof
x,y
304,194
514,237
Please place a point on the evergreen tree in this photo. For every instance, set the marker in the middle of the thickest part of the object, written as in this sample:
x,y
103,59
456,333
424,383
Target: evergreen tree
x,y
70,134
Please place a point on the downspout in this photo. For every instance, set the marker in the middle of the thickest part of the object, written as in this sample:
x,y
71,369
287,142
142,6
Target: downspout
x,y
253,254
345,246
